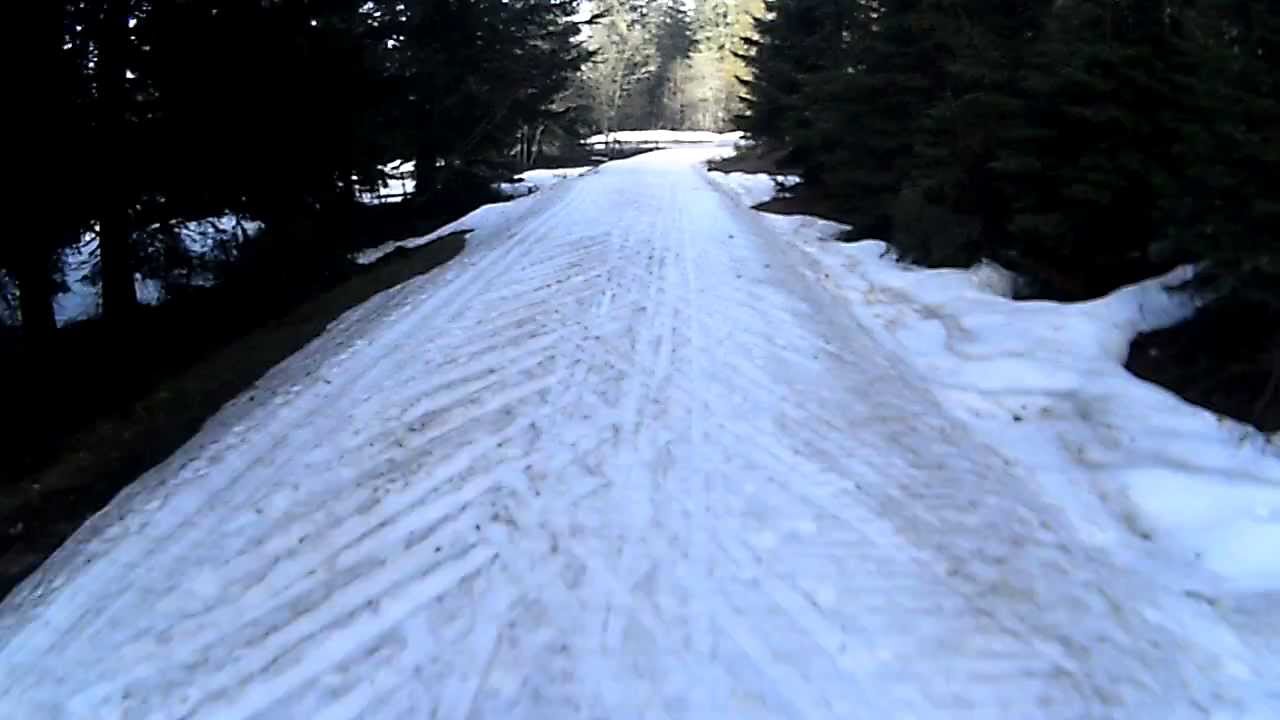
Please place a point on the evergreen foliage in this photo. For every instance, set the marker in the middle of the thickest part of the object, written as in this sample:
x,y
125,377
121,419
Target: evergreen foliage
x,y
1083,143
278,109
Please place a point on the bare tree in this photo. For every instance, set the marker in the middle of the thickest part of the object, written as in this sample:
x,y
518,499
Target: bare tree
x,y
622,38
668,63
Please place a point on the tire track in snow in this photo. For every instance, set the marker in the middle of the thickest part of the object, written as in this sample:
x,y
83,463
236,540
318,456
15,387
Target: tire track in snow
x,y
185,530
666,478
406,513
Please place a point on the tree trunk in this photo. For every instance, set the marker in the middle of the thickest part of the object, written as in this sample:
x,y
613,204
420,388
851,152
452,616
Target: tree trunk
x,y
1273,385
33,254
119,294
526,147
34,274
426,173
537,144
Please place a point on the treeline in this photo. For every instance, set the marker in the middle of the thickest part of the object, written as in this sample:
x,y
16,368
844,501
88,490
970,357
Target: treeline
x,y
277,110
1082,143
666,63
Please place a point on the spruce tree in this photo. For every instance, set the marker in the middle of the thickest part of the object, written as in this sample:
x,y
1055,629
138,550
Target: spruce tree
x,y
951,209
864,113
1088,161
801,45
115,185
1224,143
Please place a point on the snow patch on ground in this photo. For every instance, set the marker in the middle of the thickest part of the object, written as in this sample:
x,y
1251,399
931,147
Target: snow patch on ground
x,y
482,219
399,183
214,235
1044,382
198,239
664,137
528,183
753,189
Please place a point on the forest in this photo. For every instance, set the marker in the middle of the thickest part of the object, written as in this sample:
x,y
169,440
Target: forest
x,y
1083,144
215,162
282,113
175,111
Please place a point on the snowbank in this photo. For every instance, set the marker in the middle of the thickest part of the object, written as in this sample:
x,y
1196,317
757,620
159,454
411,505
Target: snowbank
x,y
400,183
487,216
1170,487
753,189
534,181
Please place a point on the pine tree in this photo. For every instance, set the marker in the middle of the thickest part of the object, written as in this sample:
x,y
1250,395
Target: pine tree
x,y
31,259
161,119
800,45
550,60
115,185
951,209
1084,144
861,116
1087,166
1221,216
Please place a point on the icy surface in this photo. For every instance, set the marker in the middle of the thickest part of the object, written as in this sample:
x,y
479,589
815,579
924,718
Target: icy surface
x,y
643,452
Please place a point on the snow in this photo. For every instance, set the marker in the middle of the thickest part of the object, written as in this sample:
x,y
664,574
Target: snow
x,y
215,235
207,238
494,214
643,452
754,189
666,137
400,183
533,181
485,216
1046,381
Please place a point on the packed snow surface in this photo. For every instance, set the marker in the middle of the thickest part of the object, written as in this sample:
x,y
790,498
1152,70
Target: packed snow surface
x,y
641,452
1046,383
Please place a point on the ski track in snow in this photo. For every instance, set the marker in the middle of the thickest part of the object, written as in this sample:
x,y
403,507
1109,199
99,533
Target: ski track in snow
x,y
624,458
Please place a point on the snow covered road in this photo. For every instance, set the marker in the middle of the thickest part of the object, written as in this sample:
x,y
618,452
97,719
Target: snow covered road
x,y
628,457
